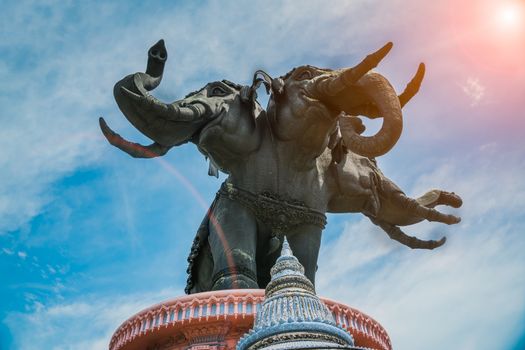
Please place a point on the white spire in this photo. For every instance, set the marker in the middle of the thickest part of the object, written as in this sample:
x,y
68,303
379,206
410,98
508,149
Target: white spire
x,y
286,250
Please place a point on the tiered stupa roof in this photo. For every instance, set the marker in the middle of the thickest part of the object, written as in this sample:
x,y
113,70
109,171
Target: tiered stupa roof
x,y
292,315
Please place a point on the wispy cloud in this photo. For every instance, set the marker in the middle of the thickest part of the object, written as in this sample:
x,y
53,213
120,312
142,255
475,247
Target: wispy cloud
x,y
84,323
7,251
474,90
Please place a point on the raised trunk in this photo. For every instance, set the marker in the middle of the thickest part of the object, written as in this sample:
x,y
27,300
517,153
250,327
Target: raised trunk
x,y
378,90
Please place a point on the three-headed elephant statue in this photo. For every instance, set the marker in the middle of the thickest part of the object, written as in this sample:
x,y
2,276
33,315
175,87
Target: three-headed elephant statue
x,y
287,165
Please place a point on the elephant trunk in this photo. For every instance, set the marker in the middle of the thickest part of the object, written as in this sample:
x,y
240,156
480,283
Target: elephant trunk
x,y
376,88
166,124
357,89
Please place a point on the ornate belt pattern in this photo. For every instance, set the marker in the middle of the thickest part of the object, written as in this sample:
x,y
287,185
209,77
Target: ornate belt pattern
x,y
279,214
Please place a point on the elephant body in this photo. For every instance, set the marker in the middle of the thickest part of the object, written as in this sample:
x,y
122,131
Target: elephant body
x,y
262,199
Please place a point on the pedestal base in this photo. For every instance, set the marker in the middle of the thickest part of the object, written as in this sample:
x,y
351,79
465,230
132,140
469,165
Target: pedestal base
x,y
217,320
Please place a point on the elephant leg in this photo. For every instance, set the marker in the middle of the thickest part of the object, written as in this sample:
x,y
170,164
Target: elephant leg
x,y
396,234
415,208
265,258
233,236
305,242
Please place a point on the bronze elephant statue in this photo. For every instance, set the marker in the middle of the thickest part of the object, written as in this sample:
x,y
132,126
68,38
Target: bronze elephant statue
x,y
287,166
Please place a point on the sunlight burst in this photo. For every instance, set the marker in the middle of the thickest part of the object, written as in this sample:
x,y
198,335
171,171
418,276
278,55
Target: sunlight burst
x,y
509,16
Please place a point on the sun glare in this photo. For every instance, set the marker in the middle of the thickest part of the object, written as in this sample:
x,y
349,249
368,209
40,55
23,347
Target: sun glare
x,y
510,16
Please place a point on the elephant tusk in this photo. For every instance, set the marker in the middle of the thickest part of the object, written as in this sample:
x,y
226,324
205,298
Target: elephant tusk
x,y
352,75
371,111
413,86
334,85
135,150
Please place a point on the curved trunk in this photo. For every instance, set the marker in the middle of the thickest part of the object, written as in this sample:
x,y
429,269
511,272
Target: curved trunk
x,y
140,84
376,88
166,124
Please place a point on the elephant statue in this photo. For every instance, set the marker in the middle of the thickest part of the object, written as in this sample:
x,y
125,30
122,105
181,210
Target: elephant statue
x,y
287,165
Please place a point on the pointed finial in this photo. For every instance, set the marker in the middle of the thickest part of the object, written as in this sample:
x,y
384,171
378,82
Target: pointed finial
x,y
286,250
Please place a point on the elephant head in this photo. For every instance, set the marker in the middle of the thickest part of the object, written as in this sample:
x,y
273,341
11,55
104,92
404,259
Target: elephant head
x,y
328,100
321,107
219,118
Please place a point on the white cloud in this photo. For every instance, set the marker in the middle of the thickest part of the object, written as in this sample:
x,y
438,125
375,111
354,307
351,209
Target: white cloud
x,y
454,296
474,90
7,251
84,323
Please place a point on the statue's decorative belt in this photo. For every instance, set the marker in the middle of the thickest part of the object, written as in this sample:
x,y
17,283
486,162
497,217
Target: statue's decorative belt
x,y
279,214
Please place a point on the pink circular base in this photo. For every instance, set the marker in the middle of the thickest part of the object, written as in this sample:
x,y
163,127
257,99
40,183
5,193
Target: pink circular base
x,y
216,320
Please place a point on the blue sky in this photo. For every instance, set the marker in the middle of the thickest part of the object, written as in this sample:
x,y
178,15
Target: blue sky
x,y
88,236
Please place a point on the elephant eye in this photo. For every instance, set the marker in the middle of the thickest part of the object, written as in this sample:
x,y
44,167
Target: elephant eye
x,y
218,91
